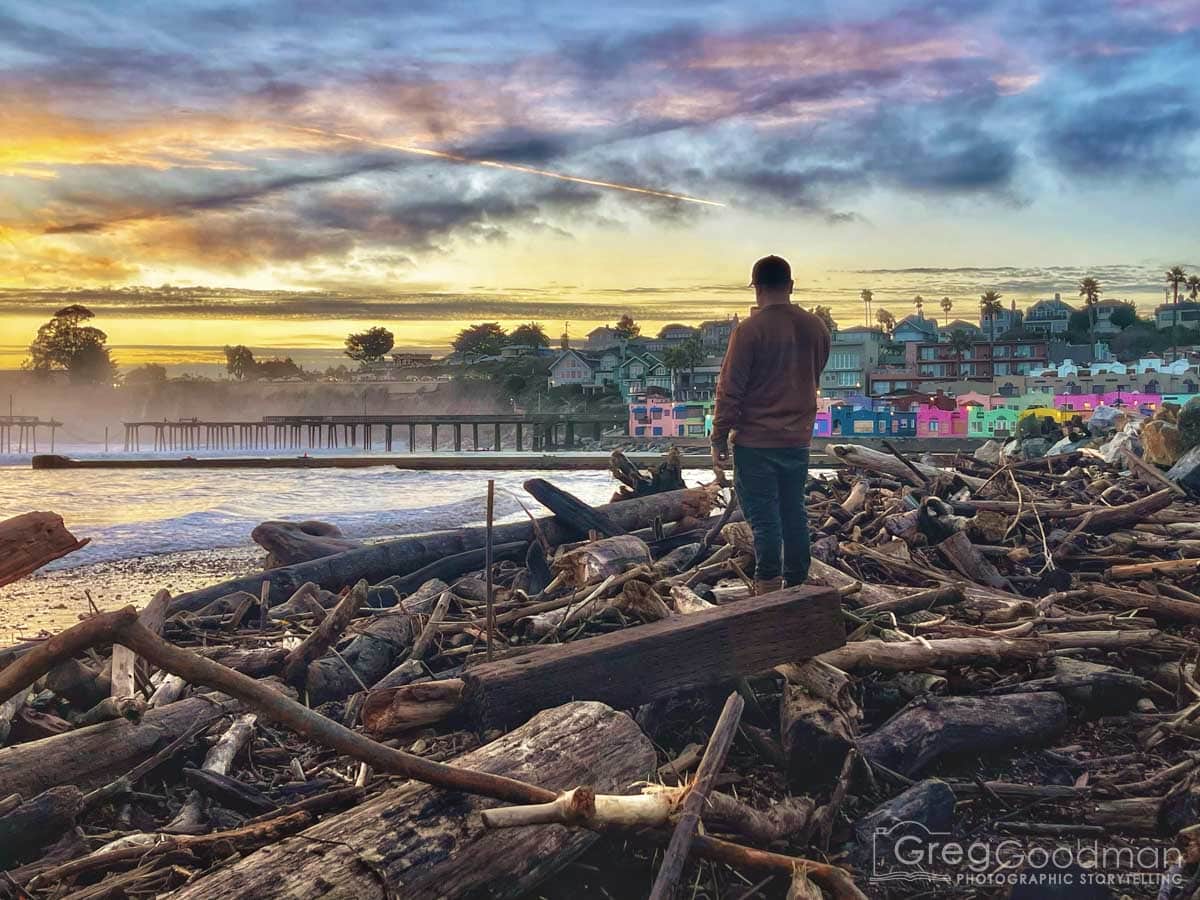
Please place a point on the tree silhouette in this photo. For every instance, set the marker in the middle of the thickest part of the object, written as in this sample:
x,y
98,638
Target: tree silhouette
x,y
239,361
486,339
1175,277
825,314
685,355
531,334
626,328
886,320
150,373
65,344
370,345
960,343
1090,291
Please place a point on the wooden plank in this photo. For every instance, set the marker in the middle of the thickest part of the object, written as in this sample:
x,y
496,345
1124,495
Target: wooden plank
x,y
635,665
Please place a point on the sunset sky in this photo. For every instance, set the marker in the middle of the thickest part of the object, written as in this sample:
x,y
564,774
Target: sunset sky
x,y
936,148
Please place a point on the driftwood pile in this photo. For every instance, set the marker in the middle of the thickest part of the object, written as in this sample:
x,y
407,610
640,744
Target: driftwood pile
x,y
990,652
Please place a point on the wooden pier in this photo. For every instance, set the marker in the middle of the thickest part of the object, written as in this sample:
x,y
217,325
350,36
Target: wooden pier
x,y
19,434
516,432
421,462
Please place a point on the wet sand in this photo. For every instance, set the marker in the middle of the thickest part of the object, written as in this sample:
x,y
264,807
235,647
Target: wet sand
x,y
55,600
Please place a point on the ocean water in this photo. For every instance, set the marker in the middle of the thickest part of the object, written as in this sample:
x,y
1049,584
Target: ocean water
x,y
130,513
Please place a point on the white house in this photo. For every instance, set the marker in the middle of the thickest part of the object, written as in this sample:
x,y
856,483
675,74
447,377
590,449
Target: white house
x,y
572,367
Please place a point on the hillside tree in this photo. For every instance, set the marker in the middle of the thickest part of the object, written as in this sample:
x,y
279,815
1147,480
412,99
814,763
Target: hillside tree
x,y
370,345
66,344
531,334
485,338
239,361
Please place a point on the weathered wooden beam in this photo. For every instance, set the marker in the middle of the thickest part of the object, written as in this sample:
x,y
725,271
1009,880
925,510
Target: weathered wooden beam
x,y
635,665
429,842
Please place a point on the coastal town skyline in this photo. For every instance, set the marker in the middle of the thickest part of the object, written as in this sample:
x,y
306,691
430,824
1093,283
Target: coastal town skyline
x,y
298,324
317,172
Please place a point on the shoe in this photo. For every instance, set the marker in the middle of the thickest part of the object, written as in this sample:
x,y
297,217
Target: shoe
x,y
768,586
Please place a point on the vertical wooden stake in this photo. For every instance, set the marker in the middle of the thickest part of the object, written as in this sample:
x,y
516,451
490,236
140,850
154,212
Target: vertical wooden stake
x,y
487,557
693,804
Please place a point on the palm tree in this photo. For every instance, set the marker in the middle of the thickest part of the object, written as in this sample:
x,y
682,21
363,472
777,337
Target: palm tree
x,y
960,343
1193,285
919,305
989,305
866,299
1175,277
1090,291
886,320
947,305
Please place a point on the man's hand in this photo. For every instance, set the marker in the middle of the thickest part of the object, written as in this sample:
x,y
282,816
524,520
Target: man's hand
x,y
720,462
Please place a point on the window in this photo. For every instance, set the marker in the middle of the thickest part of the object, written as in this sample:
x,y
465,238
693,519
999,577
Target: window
x,y
1001,352
847,379
695,429
929,352
843,359
933,426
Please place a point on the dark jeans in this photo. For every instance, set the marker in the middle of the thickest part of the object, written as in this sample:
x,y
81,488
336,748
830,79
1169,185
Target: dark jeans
x,y
770,485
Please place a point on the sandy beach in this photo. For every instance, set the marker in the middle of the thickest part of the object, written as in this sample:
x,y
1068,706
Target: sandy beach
x,y
183,530
55,599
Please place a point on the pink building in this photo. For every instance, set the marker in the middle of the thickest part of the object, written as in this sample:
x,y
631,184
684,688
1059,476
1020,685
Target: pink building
x,y
968,397
933,422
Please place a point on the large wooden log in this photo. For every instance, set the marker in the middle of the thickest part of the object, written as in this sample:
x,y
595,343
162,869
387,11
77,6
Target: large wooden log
x,y
37,822
287,543
401,556
374,651
635,665
89,757
570,511
29,541
430,843
932,727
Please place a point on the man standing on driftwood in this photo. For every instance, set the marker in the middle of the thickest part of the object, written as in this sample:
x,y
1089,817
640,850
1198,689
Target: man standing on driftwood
x,y
766,405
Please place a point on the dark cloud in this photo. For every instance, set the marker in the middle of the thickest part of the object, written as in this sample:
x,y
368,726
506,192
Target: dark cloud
x,y
1142,134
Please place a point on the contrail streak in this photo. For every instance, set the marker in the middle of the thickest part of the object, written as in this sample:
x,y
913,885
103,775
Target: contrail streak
x,y
512,167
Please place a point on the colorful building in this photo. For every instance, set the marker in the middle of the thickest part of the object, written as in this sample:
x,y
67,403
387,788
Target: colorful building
x,y
935,422
1049,412
988,423
1179,399
1086,403
850,421
823,424
670,419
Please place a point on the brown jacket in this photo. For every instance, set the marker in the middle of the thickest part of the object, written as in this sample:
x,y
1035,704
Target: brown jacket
x,y
767,392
